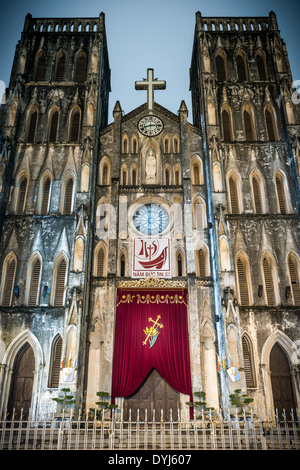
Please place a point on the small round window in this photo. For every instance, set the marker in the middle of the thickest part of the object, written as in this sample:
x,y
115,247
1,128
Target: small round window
x,y
151,219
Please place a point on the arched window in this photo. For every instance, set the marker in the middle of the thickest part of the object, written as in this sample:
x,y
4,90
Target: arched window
x,y
202,262
68,196
199,215
133,177
45,195
125,146
221,67
261,67
124,174
34,286
55,362
248,362
270,123
80,69
242,270
257,196
40,67
32,122
233,195
167,176
293,267
267,267
197,171
74,125
134,145
22,195
60,67
227,125
177,175
104,171
9,273
100,268
166,144
122,265
248,125
281,193
176,144
241,67
179,265
53,125
60,281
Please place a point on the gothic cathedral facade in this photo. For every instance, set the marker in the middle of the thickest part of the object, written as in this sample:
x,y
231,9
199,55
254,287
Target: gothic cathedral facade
x,y
149,258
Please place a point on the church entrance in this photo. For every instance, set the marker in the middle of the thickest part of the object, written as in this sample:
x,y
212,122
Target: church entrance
x,y
22,383
154,394
281,380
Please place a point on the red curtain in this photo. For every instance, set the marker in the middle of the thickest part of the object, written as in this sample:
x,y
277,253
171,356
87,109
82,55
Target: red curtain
x,y
169,353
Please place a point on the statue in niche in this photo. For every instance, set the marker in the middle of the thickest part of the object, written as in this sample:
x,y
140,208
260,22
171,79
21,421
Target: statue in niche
x,y
150,167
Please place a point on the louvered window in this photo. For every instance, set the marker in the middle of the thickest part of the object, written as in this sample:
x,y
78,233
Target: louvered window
x,y
74,130
293,269
100,263
60,283
45,196
22,195
257,195
60,68
242,279
34,283
241,68
248,363
9,282
270,125
202,263
280,194
40,68
55,365
68,197
269,285
32,127
80,75
221,72
226,126
249,134
261,68
233,196
53,127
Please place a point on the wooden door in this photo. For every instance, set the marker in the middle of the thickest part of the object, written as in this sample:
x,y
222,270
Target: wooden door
x,y
154,394
22,383
281,379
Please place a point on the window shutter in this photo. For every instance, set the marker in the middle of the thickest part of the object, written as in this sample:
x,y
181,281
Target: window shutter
x,y
60,68
80,68
40,68
226,126
243,285
248,363
53,127
280,195
220,64
294,280
257,196
100,264
202,267
68,197
32,127
248,126
22,195
56,360
9,282
45,196
267,269
261,67
60,283
270,125
34,283
233,196
74,131
241,68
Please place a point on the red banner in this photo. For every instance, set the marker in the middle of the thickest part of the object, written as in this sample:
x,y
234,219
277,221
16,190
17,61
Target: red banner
x,y
151,331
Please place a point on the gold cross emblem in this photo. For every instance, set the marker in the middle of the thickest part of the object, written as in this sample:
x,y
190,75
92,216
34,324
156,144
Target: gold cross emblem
x,y
152,332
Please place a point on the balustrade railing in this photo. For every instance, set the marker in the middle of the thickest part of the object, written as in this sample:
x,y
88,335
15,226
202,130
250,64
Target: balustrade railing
x,y
112,432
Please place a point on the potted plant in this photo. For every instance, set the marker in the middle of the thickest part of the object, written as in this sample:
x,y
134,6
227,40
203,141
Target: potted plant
x,y
103,406
240,401
65,400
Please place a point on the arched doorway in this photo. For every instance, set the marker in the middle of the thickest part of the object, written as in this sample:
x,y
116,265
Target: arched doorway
x,y
281,379
154,394
22,383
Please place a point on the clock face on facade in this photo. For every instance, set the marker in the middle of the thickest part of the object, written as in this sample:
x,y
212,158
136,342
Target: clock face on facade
x,y
150,125
151,219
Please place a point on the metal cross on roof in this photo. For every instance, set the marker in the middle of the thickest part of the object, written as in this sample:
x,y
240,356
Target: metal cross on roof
x,y
150,84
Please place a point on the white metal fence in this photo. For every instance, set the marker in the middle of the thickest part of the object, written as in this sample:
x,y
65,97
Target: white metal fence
x,y
152,433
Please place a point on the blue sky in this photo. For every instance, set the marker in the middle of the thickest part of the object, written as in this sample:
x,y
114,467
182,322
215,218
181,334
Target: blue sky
x,y
143,34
